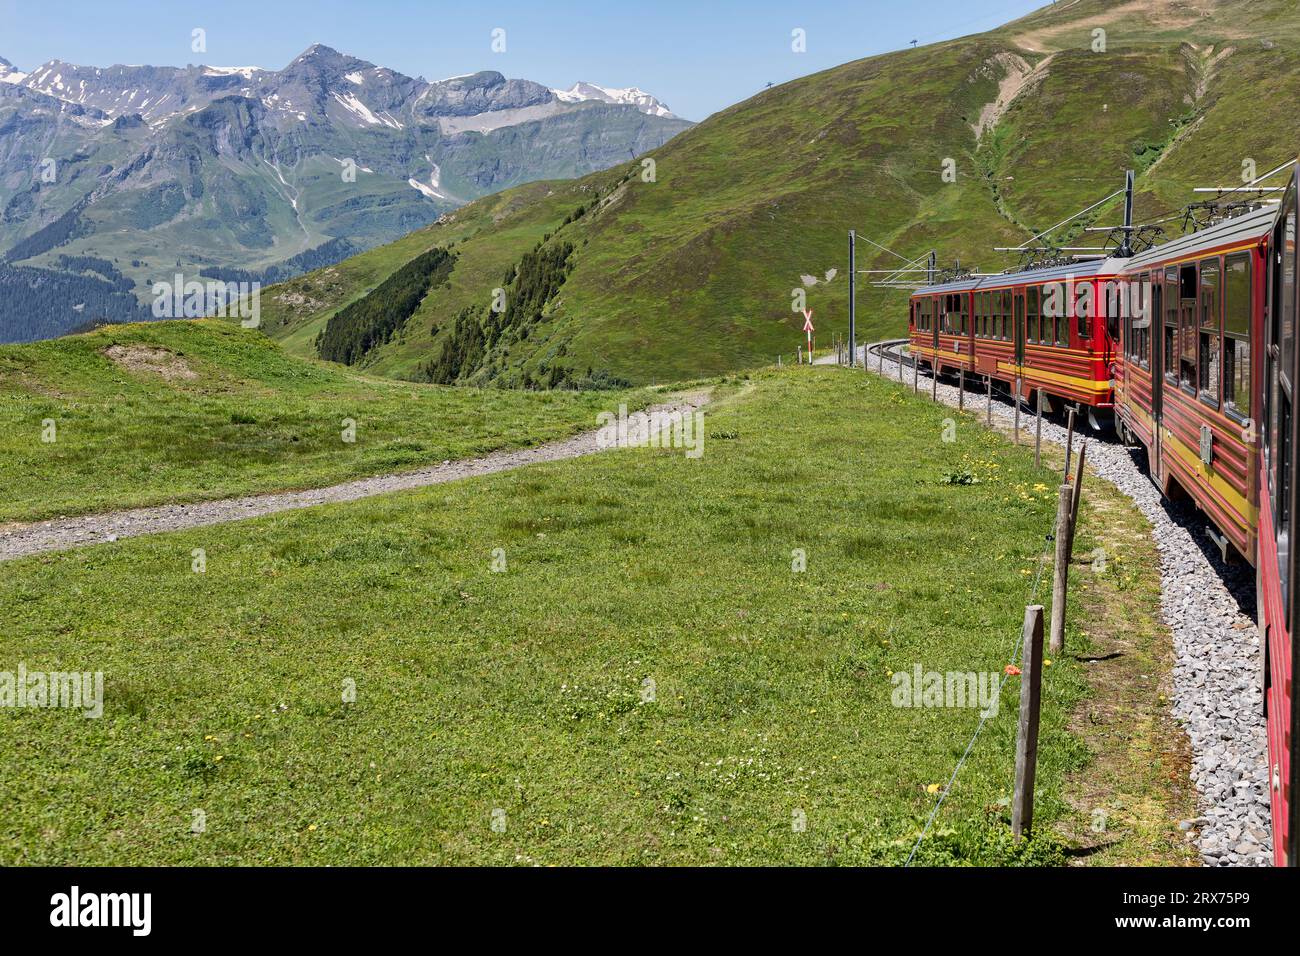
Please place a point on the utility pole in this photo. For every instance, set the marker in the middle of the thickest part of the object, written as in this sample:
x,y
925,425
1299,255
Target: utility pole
x,y
853,300
1126,245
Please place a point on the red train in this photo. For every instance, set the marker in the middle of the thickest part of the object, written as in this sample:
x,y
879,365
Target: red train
x,y
1189,348
1031,331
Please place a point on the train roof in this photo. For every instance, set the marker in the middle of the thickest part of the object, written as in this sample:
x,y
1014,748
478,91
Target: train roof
x,y
1076,270
1243,228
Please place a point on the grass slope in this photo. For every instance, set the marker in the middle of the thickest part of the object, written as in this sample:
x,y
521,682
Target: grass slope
x,y
692,274
522,691
247,418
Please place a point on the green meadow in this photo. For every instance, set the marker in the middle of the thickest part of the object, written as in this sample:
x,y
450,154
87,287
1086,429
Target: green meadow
x,y
645,678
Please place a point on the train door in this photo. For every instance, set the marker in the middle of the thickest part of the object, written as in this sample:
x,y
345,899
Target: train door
x,y
1020,328
1156,303
1019,313
1281,441
939,319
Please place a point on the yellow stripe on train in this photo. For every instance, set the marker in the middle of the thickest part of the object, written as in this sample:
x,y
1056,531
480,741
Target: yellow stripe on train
x,y
1056,378
1191,460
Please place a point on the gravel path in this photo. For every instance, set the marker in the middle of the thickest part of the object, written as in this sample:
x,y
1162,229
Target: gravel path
x,y
1208,608
22,540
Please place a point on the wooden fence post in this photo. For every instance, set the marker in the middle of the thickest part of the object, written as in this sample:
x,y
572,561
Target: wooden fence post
x,y
1031,695
988,407
1038,431
961,390
916,374
1015,400
1074,501
1061,572
1069,446
934,381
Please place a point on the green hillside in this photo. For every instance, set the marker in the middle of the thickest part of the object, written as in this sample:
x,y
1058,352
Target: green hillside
x,y
162,412
692,273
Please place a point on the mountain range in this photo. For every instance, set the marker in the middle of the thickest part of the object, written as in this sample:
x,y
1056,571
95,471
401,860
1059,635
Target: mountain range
x,y
958,146
128,174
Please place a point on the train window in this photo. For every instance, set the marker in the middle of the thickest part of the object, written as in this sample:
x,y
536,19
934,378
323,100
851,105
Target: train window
x,y
1236,334
1084,306
1118,318
1171,325
1032,305
1288,297
1187,328
1141,316
1114,291
1210,320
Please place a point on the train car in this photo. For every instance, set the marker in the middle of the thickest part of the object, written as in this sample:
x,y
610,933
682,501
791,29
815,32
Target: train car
x,y
1186,385
1278,567
1203,381
1039,331
939,326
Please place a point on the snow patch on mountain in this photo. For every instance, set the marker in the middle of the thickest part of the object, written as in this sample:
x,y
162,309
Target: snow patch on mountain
x,y
246,72
8,74
627,96
359,109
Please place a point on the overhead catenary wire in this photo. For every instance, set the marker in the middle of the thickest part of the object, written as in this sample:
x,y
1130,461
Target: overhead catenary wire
x,y
1081,212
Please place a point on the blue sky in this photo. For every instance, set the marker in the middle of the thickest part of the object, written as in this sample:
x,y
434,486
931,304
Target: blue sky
x,y
698,56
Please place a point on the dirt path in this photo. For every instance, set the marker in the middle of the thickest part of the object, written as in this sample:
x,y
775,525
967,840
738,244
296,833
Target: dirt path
x,y
22,540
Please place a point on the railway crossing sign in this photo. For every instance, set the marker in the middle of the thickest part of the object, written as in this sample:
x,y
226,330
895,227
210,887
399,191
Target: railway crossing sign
x,y
808,328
